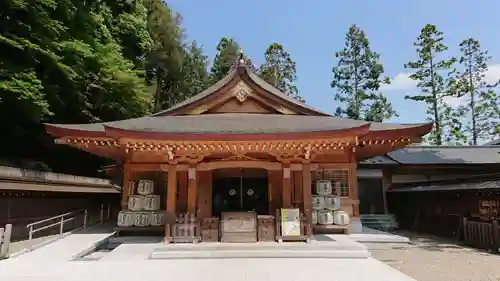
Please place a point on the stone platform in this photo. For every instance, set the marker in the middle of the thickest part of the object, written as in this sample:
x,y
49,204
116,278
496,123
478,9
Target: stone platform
x,y
338,247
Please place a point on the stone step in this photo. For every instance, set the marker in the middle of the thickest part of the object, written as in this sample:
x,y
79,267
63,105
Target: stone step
x,y
250,253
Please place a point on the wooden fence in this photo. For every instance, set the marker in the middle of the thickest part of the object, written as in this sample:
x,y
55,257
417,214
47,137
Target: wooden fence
x,y
5,234
483,235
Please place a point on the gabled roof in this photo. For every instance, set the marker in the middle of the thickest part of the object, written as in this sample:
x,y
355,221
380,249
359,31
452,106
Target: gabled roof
x,y
423,155
245,70
232,124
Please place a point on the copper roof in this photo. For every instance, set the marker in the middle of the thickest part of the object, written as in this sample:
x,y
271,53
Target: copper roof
x,y
235,123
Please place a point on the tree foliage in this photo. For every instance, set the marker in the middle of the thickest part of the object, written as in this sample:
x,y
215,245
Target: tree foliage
x,y
481,114
357,78
280,70
435,82
72,61
227,51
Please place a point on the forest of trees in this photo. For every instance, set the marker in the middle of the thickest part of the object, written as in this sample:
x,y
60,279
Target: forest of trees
x,y
73,61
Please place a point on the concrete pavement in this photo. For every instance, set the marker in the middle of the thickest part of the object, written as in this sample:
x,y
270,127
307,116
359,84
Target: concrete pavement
x,y
290,269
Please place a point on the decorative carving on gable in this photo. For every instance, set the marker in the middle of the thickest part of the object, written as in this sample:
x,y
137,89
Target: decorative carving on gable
x,y
241,91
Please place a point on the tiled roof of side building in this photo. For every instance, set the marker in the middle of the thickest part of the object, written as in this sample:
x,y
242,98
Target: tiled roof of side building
x,y
422,155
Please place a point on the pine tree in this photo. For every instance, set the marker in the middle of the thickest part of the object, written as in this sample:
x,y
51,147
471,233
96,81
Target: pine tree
x,y
482,113
357,79
227,51
279,70
434,81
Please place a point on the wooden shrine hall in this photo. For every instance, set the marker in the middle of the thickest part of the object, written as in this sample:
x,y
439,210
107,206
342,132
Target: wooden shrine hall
x,y
237,162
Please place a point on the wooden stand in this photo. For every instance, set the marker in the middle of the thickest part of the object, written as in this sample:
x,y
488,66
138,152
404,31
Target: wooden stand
x,y
185,230
305,230
331,229
266,228
210,230
239,227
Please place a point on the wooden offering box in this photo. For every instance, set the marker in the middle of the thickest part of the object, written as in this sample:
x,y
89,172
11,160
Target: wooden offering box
x,y
185,230
210,230
239,227
266,228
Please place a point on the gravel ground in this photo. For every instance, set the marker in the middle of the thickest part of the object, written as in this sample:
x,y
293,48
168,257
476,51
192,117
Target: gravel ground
x,y
435,259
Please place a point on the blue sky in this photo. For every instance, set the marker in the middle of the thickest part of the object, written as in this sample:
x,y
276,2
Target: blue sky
x,y
311,31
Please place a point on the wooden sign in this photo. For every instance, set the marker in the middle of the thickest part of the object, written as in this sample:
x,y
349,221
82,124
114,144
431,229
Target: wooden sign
x,y
290,222
489,209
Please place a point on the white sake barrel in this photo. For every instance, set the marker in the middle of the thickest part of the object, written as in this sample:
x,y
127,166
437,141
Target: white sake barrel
x,y
323,187
332,202
125,218
314,217
341,218
145,187
318,202
151,202
141,219
325,217
135,202
157,218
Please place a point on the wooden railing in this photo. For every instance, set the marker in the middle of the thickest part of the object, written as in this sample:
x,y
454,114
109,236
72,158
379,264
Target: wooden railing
x,y
483,235
5,234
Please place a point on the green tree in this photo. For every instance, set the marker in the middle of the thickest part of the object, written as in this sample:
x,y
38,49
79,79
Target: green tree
x,y
357,80
482,113
434,81
227,51
279,70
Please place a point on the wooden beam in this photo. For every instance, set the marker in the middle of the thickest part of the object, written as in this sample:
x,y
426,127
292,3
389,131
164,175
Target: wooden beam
x,y
287,194
183,191
205,194
192,186
307,191
207,166
126,185
171,194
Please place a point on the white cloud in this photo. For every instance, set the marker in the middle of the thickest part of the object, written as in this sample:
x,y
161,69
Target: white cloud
x,y
455,101
493,74
400,82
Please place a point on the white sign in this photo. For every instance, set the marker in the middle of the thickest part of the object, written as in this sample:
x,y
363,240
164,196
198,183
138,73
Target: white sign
x,y
290,222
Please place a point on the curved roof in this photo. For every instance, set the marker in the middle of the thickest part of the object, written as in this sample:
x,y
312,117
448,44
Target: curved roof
x,y
242,67
304,122
230,124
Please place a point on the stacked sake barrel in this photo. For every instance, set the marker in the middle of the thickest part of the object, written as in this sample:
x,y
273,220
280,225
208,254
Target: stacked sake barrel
x,y
326,205
143,207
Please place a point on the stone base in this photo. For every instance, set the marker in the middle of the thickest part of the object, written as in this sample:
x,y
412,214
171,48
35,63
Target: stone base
x,y
334,248
356,227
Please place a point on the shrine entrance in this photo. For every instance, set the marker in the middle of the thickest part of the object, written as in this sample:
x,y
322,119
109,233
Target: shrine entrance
x,y
240,190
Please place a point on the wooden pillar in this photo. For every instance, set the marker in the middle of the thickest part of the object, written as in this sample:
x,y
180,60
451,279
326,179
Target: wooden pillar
x,y
183,189
287,192
353,190
386,183
192,186
307,192
171,194
205,194
126,185
275,179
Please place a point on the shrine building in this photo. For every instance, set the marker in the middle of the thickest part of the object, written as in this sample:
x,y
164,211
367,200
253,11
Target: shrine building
x,y
241,145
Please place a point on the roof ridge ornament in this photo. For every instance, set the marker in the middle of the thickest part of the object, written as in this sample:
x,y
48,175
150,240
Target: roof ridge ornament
x,y
242,61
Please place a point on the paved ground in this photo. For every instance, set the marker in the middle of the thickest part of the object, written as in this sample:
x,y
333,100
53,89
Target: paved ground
x,y
66,248
205,269
20,245
435,259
